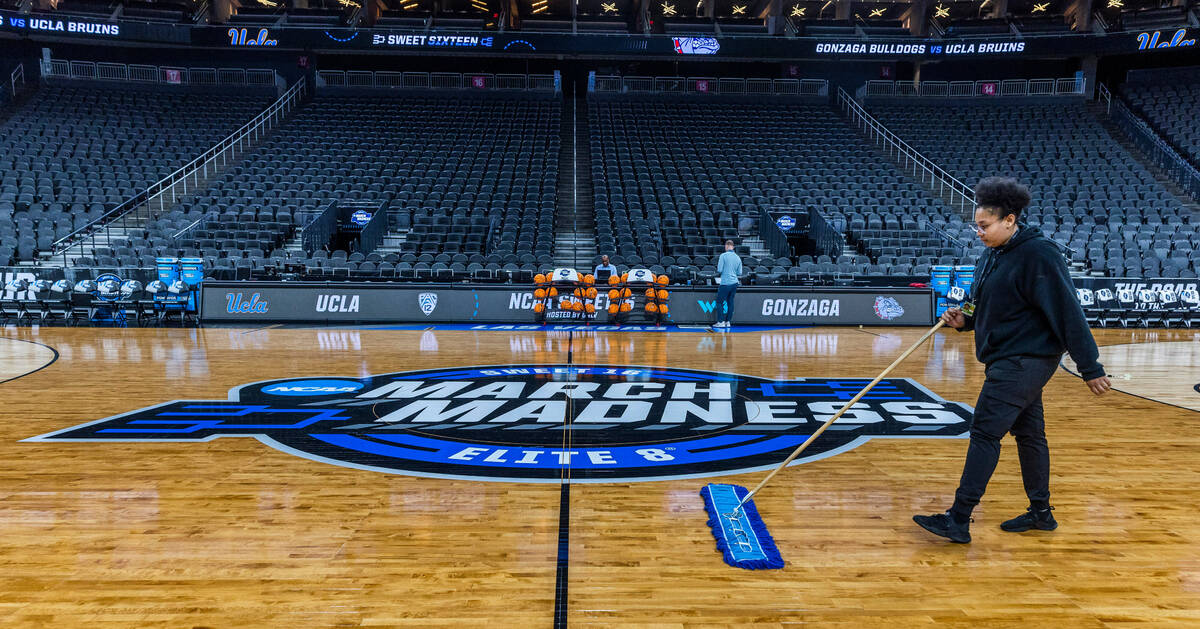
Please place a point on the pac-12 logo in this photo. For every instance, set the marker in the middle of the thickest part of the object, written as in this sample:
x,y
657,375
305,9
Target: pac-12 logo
x,y
427,301
533,423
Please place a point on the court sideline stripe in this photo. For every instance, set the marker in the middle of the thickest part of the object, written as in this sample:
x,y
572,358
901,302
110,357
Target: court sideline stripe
x,y
564,513
52,360
1063,365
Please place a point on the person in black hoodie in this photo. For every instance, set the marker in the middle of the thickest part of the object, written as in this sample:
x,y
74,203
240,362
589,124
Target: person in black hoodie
x,y
1025,315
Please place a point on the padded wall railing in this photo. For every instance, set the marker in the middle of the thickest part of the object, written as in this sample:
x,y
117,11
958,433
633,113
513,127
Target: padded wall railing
x,y
829,240
958,194
167,75
772,236
1151,143
440,80
976,89
706,85
316,234
374,231
189,177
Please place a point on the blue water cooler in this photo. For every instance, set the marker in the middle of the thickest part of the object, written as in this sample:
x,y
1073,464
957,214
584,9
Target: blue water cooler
x,y
964,278
940,279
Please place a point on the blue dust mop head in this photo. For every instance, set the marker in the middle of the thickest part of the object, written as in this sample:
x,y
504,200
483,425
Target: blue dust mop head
x,y
742,537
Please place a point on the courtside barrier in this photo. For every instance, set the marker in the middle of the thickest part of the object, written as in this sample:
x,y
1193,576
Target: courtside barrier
x,y
275,302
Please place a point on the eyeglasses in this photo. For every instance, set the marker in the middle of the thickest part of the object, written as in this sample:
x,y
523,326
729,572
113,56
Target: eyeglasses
x,y
979,229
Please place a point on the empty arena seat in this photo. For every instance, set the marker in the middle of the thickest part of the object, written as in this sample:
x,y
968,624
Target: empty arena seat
x,y
1089,194
70,153
462,175
675,179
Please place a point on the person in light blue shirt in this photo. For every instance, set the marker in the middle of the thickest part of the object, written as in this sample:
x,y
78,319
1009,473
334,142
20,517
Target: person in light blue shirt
x,y
729,266
604,269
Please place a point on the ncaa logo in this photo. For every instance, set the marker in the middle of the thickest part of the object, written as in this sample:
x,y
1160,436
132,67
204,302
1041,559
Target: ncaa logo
x,y
427,301
312,388
887,308
509,423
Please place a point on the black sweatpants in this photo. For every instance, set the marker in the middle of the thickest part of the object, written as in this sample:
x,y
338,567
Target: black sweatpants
x,y
1010,401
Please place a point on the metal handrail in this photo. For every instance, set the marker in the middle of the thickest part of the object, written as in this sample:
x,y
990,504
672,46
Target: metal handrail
x,y
962,195
18,74
105,71
437,80
1071,86
234,143
1153,144
707,85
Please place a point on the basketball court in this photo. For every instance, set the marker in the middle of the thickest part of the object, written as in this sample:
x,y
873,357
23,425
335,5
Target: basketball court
x,y
112,529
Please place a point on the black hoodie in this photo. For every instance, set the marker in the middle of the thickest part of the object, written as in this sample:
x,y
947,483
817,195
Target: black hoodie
x,y
1025,305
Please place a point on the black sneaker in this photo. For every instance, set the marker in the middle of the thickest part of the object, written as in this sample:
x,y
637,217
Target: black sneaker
x,y
1041,520
944,525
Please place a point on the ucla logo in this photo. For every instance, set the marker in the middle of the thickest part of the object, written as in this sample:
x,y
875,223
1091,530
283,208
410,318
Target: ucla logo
x,y
427,301
236,304
506,423
1149,41
887,308
239,37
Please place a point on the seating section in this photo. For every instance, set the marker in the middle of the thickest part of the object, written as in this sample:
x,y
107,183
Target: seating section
x,y
1172,109
450,168
1089,193
470,181
673,180
68,154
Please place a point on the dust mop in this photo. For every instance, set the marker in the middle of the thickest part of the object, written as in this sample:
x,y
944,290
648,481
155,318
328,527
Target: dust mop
x,y
740,532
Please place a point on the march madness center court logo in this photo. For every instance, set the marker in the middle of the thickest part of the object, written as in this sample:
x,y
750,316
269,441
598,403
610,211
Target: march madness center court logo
x,y
534,423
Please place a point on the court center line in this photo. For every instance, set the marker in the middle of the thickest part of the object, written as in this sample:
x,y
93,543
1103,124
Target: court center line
x,y
564,510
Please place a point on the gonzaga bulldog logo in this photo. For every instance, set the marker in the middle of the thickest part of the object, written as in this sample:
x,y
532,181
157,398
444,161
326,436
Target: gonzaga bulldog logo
x,y
509,423
887,308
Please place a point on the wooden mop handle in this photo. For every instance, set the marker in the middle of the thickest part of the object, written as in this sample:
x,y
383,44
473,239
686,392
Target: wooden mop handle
x,y
795,453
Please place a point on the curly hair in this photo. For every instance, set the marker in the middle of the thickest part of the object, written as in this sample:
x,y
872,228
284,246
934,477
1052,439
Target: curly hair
x,y
1002,196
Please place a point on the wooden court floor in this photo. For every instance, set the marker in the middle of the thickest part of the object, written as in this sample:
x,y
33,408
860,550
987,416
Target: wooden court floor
x,y
233,533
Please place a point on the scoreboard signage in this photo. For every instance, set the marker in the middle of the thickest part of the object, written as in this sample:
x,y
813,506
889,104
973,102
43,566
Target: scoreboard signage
x,y
584,45
66,25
